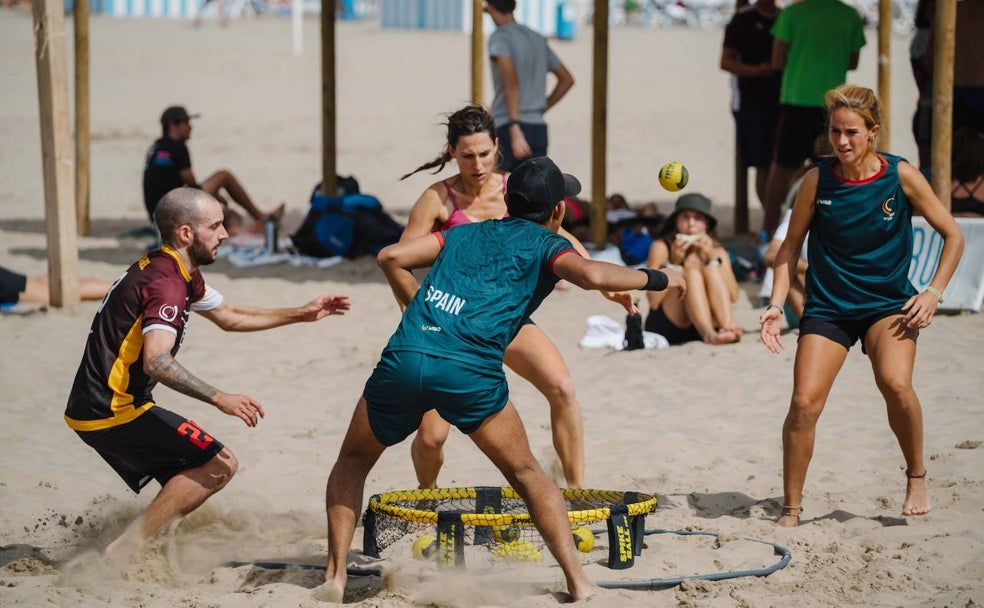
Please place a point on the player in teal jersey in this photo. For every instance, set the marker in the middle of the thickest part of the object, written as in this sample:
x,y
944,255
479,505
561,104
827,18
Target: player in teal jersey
x,y
857,208
484,279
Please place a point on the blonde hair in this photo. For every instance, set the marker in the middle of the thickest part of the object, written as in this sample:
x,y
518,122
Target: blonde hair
x,y
861,100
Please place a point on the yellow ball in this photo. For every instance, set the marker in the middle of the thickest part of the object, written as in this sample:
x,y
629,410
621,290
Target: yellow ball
x,y
517,551
425,547
673,176
505,534
583,539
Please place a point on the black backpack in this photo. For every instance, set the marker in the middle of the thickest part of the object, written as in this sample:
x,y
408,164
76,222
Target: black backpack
x,y
349,225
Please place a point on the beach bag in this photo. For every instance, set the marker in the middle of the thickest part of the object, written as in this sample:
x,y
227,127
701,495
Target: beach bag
x,y
348,225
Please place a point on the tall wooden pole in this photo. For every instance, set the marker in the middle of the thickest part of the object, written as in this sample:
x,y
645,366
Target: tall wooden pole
x,y
82,116
944,29
885,72
477,38
599,125
56,152
328,114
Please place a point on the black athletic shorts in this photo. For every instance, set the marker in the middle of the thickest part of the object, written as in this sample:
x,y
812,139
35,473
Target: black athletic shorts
x,y
797,132
845,332
158,444
755,130
658,323
11,286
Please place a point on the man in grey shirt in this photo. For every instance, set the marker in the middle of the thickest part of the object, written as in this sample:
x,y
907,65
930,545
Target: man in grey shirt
x,y
520,62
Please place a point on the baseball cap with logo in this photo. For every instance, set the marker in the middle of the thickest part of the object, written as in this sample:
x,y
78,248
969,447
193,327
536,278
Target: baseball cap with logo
x,y
176,114
535,187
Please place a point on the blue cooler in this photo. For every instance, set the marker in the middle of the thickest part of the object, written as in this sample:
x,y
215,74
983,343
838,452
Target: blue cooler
x,y
566,20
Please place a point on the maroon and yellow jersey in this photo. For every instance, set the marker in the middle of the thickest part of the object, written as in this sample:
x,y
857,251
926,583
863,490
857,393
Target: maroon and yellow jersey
x,y
155,293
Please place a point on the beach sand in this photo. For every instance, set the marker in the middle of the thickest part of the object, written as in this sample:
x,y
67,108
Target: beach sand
x,y
698,426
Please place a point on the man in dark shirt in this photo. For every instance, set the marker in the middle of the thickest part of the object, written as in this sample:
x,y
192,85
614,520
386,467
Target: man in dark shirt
x,y
168,166
134,338
747,54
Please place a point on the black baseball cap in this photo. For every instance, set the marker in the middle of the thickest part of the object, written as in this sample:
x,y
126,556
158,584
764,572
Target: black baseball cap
x,y
535,187
176,114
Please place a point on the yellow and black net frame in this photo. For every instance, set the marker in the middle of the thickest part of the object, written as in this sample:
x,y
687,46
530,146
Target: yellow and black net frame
x,y
485,515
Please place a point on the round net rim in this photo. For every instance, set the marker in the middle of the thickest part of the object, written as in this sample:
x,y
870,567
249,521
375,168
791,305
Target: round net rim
x,y
383,504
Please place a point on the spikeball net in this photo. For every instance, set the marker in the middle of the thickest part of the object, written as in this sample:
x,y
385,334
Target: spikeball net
x,y
496,518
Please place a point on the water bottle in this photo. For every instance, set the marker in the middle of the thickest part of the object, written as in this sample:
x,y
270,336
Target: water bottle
x,y
270,234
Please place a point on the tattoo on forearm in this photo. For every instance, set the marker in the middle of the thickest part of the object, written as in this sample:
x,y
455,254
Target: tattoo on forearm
x,y
166,370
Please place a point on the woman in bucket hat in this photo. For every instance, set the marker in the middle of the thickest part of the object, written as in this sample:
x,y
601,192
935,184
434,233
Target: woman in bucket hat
x,y
687,242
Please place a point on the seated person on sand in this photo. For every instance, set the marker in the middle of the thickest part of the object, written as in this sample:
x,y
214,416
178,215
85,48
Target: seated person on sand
x,y
796,298
967,189
16,287
168,166
687,241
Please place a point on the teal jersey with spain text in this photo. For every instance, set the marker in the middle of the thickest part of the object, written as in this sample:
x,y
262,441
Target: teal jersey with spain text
x,y
488,277
860,245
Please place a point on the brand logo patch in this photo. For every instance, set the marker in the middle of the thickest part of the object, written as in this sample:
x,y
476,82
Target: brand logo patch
x,y
169,312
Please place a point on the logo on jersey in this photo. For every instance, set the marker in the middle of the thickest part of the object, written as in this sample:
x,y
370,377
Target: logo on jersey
x,y
168,312
441,300
426,327
887,208
825,202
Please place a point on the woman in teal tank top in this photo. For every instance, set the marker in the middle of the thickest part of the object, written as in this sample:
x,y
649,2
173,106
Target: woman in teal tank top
x,y
857,208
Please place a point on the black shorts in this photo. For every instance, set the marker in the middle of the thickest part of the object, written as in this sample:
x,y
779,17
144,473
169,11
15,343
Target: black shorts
x,y
12,285
756,134
536,137
159,444
658,323
845,331
797,132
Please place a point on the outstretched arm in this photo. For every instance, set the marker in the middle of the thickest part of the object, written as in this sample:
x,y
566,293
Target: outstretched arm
x,y
233,317
619,297
602,276
161,366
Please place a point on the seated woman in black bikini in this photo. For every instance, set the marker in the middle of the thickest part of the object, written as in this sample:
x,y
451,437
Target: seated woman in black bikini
x,y
967,190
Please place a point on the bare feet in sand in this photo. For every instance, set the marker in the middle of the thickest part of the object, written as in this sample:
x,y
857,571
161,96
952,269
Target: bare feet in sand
x,y
916,497
790,516
723,336
328,592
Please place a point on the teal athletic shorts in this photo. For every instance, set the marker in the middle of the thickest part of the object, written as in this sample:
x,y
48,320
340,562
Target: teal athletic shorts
x,y
406,384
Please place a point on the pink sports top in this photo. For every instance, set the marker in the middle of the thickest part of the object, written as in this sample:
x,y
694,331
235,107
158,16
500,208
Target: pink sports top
x,y
458,217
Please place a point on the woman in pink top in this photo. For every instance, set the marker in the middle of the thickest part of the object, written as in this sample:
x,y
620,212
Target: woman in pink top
x,y
475,194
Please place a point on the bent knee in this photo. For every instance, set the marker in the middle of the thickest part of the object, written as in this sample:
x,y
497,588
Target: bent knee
x,y
804,410
222,468
897,385
429,441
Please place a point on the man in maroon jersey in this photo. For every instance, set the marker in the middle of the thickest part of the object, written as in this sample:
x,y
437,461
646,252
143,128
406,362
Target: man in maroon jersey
x,y
131,347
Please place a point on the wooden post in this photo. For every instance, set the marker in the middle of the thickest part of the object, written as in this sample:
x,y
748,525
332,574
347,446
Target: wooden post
x,y
599,126
944,27
741,192
328,115
56,153
477,38
885,73
82,171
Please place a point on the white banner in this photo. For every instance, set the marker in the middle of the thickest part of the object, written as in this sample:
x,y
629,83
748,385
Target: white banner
x,y
966,288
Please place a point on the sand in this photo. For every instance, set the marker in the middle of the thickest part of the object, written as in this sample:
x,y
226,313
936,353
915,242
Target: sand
x,y
696,425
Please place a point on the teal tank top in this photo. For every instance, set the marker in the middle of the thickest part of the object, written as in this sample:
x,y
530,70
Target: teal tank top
x,y
487,278
860,245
